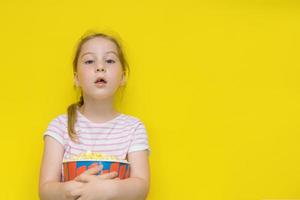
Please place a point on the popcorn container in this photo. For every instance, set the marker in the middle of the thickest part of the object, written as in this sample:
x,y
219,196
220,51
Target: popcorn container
x,y
71,169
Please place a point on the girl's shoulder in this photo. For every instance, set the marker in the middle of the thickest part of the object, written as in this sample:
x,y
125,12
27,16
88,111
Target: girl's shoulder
x,y
60,120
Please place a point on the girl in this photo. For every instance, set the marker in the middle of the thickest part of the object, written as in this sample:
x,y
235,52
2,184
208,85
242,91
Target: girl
x,y
93,124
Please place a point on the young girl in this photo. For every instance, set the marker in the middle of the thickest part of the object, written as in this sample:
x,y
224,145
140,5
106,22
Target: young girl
x,y
93,124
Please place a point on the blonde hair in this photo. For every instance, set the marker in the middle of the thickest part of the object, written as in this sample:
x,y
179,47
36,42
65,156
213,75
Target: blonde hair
x,y
72,109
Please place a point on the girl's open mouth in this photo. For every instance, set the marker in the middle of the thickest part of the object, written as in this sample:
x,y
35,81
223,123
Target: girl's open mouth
x,y
100,81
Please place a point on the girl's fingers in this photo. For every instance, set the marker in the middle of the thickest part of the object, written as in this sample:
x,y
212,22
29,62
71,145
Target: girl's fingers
x,y
84,178
110,175
94,170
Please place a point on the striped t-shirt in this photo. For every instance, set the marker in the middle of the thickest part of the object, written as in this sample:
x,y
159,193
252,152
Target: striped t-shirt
x,y
118,136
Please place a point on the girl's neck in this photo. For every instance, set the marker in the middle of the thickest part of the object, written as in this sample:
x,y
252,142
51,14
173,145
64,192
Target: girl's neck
x,y
98,111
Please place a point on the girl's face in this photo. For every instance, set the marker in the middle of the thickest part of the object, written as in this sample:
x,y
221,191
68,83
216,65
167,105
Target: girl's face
x,y
99,59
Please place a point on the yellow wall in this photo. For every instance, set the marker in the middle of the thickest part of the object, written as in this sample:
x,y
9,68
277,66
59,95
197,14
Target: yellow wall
x,y
216,83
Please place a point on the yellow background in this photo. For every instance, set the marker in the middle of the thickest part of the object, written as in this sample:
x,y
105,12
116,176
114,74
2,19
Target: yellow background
x,y
216,83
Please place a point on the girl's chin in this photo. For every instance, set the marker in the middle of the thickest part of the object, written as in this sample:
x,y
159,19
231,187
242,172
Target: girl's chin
x,y
102,96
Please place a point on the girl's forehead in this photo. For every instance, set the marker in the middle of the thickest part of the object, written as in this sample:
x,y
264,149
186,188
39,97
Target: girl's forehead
x,y
98,45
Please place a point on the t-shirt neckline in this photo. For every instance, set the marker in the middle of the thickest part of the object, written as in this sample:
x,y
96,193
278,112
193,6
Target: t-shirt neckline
x,y
98,123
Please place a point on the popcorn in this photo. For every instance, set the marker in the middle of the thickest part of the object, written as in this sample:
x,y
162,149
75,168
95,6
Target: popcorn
x,y
88,155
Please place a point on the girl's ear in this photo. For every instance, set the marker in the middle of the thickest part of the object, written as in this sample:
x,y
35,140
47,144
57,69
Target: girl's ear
x,y
76,81
123,80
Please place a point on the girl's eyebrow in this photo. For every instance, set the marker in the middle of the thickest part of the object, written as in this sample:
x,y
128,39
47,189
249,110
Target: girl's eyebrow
x,y
105,53
111,52
86,53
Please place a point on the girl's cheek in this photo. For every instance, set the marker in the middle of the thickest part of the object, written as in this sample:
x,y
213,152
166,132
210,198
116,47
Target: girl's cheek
x,y
87,72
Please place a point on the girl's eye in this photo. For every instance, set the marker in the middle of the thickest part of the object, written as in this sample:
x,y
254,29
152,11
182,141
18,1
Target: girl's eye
x,y
88,62
110,61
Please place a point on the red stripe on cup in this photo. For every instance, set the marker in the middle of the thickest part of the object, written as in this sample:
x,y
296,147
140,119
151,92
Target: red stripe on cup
x,y
72,170
114,167
122,171
66,174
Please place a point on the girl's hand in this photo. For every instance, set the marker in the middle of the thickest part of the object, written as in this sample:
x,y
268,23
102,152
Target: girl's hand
x,y
95,187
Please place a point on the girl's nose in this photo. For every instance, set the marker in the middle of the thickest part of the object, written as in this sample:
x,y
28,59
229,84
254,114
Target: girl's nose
x,y
101,69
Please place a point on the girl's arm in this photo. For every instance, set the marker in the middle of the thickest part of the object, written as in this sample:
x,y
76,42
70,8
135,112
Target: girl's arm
x,y
50,186
135,187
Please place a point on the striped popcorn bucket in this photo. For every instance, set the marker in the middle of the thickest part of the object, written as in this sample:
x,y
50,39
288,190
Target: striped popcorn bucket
x,y
71,169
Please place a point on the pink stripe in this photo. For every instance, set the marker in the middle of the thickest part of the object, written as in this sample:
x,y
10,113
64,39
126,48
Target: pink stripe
x,y
102,138
88,122
106,127
112,130
107,144
141,136
66,137
139,139
110,150
75,151
116,121
102,133
68,152
140,143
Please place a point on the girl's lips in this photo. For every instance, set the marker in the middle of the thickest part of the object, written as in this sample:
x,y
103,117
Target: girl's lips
x,y
100,79
100,84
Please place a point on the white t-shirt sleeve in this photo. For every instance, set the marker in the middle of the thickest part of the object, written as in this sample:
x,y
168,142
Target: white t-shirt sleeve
x,y
55,130
140,139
